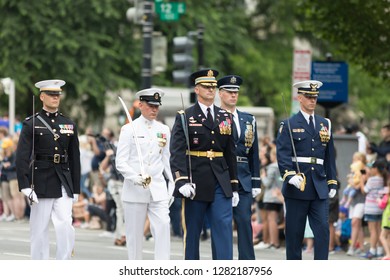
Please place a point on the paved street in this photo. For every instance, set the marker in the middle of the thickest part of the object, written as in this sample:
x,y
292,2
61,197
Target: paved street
x,y
90,245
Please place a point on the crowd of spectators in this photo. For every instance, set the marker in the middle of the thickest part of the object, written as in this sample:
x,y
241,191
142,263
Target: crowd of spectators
x,y
356,221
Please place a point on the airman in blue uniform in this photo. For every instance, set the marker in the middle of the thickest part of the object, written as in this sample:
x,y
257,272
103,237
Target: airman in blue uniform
x,y
204,169
248,163
307,195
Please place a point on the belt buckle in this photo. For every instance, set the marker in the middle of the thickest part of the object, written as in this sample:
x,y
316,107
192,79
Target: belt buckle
x,y
210,154
313,160
56,158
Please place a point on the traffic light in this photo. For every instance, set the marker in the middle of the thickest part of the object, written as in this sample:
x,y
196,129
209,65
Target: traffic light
x,y
182,59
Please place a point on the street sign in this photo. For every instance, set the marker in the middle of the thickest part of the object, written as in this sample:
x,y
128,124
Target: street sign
x,y
169,11
301,72
334,76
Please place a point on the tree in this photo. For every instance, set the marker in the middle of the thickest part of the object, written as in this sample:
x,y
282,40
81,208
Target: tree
x,y
359,29
92,46
89,44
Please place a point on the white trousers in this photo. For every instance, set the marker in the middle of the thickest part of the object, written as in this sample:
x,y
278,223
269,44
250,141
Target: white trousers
x,y
135,216
115,189
59,210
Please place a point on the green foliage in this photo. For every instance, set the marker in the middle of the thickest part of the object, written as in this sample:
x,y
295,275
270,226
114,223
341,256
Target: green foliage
x,y
360,29
92,46
86,43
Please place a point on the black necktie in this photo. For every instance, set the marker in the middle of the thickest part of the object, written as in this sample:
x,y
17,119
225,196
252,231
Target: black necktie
x,y
311,124
235,131
209,120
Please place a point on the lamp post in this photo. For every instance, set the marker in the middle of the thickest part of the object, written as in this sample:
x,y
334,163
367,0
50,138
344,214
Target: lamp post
x,y
142,14
9,88
147,32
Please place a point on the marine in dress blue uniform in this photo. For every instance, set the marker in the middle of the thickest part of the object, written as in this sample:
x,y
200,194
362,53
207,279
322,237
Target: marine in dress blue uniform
x,y
56,172
316,159
213,168
248,163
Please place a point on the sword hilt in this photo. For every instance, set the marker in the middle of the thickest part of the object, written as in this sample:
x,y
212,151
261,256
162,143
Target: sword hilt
x,y
303,183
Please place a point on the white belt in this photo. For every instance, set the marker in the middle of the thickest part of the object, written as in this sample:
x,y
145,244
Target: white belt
x,y
312,160
242,159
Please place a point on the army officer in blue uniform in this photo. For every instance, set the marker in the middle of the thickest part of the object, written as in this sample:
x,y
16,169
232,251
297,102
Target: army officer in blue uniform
x,y
52,181
248,163
209,161
307,196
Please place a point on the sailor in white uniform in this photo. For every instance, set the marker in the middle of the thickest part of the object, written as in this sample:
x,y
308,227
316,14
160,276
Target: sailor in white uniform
x,y
147,189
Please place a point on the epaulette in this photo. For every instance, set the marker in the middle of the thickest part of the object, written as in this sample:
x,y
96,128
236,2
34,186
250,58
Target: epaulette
x,y
281,127
30,117
181,112
248,114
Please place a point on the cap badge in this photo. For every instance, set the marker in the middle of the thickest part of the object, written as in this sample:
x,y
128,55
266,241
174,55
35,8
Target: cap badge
x,y
210,73
156,96
233,80
313,87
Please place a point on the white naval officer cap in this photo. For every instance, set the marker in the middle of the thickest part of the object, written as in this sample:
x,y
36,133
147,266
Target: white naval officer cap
x,y
308,88
150,95
50,86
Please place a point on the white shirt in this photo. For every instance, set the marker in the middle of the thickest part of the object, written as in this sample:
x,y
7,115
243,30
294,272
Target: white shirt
x,y
204,109
306,115
362,142
237,122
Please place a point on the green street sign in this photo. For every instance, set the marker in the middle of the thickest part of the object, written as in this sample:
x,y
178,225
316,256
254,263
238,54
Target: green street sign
x,y
169,11
169,16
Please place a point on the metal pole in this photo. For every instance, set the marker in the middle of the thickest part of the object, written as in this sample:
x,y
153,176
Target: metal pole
x,y
200,46
147,30
11,107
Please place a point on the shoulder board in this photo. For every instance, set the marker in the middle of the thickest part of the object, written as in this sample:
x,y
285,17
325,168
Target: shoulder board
x,y
330,126
181,112
246,113
30,117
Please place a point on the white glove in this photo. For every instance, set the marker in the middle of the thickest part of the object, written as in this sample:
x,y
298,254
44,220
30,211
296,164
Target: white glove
x,y
187,190
332,193
33,195
296,181
235,199
75,197
140,180
255,192
137,180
